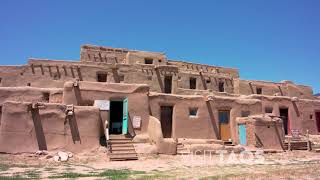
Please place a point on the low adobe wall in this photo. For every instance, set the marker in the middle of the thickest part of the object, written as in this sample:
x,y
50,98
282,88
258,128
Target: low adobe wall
x,y
24,129
30,94
263,132
206,124
86,92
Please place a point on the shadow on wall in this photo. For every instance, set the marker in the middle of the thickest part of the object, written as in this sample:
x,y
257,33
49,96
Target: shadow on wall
x,y
213,121
73,127
40,135
38,127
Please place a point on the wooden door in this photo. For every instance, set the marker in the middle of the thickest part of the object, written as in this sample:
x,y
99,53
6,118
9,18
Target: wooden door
x,y
125,117
318,120
242,134
166,121
224,124
167,84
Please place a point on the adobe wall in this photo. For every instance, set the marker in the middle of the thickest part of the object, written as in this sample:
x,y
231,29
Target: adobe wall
x,y
87,92
91,53
26,130
263,132
205,125
286,88
301,111
138,57
205,81
236,106
187,66
30,94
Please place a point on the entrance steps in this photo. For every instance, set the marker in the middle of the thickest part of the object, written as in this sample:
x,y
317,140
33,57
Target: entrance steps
x,y
121,148
297,145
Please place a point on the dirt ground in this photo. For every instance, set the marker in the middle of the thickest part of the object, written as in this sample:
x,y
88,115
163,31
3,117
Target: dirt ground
x,y
95,165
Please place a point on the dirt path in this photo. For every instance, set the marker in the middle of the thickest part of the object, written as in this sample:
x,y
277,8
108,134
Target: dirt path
x,y
296,164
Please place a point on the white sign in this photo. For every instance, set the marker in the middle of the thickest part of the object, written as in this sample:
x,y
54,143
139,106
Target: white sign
x,y
102,104
136,121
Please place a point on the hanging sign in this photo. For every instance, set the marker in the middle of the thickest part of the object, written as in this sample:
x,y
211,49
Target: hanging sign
x,y
102,104
136,121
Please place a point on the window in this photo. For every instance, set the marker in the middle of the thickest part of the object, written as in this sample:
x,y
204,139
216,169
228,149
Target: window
x,y
121,78
0,80
245,113
159,61
208,81
259,90
221,86
224,117
311,116
46,96
193,83
102,77
56,76
268,109
28,84
193,112
148,61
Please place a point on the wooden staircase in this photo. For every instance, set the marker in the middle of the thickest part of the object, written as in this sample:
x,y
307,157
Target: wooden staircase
x,y
121,148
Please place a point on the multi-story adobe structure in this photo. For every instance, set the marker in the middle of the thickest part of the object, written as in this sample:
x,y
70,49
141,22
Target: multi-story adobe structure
x,y
118,91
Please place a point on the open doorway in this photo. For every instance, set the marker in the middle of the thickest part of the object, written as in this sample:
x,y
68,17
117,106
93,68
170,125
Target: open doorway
x,y
167,84
284,113
118,117
166,120
318,120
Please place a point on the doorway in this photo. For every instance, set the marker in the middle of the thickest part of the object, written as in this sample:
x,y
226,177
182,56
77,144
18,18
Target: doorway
x,y
166,120
318,120
224,125
167,84
284,113
118,117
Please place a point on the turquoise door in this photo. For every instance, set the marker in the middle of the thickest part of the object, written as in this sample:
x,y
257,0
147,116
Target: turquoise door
x,y
125,117
242,134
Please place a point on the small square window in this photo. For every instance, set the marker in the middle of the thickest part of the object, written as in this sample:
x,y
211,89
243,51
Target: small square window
x,y
121,78
259,90
245,113
193,112
0,80
268,109
148,61
208,81
311,116
46,96
102,77
159,60
28,84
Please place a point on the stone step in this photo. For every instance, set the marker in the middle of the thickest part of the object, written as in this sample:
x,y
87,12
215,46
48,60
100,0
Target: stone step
x,y
121,148
123,141
119,137
123,158
128,145
132,151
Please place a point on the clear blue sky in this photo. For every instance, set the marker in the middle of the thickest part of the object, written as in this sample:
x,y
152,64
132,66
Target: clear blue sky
x,y
265,40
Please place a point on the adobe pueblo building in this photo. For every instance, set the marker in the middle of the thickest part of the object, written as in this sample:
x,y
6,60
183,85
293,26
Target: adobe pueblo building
x,y
116,96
